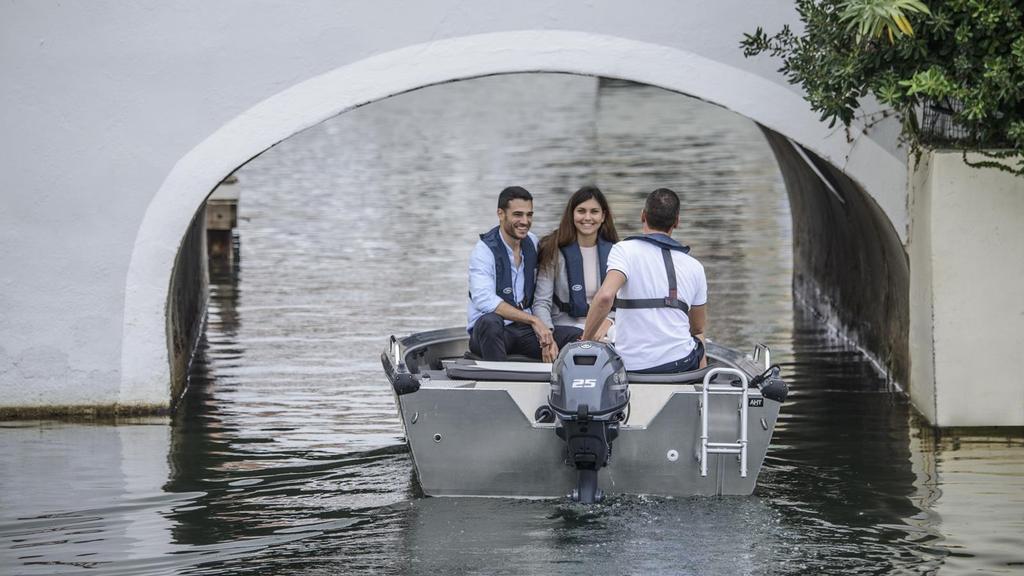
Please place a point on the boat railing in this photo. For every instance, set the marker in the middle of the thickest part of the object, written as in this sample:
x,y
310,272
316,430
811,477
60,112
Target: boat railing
x,y
738,447
760,349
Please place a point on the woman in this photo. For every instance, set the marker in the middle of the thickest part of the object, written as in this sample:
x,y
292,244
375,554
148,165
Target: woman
x,y
573,260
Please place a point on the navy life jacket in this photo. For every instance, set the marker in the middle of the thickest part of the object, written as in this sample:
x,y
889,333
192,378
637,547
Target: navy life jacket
x,y
503,268
573,256
667,244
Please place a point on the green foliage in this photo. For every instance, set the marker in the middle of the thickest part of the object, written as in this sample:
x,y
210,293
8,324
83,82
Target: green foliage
x,y
952,71
870,18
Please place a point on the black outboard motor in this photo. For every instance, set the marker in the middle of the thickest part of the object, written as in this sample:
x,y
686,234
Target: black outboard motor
x,y
589,392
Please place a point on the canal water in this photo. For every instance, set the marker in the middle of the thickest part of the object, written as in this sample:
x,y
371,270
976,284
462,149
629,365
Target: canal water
x,y
287,456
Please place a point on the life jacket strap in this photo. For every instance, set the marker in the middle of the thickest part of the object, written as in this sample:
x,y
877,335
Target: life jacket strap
x,y
667,302
565,308
670,301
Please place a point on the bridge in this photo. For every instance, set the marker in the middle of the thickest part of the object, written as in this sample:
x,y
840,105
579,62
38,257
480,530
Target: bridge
x,y
120,119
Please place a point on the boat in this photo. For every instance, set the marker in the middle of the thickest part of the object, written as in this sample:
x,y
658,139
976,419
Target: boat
x,y
581,426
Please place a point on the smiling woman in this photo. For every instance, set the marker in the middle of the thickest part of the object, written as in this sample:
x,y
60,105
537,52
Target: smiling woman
x,y
574,259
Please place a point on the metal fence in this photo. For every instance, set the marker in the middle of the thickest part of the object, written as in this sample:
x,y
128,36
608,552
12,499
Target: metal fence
x,y
939,126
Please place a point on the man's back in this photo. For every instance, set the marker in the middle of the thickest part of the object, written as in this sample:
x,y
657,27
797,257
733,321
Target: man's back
x,y
648,337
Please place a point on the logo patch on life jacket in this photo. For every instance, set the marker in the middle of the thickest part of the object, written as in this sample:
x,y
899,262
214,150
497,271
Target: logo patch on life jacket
x,y
507,290
577,287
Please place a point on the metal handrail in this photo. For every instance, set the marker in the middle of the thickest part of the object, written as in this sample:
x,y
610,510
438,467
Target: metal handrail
x,y
395,351
767,354
738,447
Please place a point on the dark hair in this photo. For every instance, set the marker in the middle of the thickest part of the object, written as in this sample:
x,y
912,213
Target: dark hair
x,y
662,209
565,234
512,193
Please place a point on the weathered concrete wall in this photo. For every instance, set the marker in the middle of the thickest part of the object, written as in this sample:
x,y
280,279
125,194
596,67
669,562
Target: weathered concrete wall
x,y
120,117
848,261
188,295
967,293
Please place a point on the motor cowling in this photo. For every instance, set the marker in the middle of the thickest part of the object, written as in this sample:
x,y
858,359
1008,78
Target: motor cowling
x,y
589,394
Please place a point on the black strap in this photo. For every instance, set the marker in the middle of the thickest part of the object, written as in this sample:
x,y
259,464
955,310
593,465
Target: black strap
x,y
634,303
565,308
670,301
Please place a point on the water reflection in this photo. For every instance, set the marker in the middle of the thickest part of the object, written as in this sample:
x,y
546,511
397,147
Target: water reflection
x,y
287,455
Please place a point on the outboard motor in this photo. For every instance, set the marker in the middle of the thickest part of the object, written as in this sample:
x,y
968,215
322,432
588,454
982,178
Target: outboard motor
x,y
589,393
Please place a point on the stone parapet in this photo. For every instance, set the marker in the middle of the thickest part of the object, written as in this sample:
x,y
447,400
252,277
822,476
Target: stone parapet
x,y
966,292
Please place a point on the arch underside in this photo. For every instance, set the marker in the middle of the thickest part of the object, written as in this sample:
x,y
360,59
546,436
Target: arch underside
x,y
849,265
780,111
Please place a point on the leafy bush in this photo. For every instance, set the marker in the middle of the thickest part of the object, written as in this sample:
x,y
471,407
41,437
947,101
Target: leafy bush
x,y
953,71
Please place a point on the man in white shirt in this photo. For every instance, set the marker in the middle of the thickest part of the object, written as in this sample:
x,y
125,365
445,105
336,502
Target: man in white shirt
x,y
660,295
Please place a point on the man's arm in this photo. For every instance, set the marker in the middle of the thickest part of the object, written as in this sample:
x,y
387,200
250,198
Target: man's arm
x,y
698,322
602,303
509,312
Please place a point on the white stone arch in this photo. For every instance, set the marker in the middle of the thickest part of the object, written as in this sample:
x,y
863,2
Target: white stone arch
x,y
145,376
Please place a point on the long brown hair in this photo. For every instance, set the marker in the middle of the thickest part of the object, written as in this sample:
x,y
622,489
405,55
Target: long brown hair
x,y
565,234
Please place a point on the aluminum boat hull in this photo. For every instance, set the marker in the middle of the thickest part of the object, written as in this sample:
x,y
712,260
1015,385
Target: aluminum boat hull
x,y
477,437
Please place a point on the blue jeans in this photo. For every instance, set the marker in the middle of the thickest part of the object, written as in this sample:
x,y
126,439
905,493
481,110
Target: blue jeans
x,y
690,362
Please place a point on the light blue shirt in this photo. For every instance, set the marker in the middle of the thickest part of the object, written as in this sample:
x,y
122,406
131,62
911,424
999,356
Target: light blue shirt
x,y
482,297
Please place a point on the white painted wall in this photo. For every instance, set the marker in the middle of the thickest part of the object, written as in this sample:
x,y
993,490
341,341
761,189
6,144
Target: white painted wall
x,y
118,118
967,300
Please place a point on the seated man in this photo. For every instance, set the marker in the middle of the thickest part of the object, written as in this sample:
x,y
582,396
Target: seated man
x,y
662,292
502,273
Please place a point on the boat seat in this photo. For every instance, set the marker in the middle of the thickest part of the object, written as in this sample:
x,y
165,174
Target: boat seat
x,y
511,371
511,357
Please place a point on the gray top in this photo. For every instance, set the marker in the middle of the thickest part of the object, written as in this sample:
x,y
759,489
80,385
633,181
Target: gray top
x,y
549,284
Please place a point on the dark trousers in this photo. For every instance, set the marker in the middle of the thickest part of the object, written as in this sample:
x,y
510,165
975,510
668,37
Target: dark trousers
x,y
690,362
492,340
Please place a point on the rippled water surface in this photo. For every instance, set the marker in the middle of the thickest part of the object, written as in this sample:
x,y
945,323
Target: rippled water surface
x,y
287,456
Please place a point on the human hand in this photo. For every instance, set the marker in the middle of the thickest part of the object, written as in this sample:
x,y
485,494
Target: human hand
x,y
549,353
543,334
